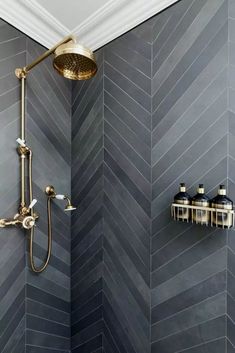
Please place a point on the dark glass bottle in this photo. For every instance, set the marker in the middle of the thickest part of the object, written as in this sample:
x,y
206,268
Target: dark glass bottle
x,y
220,219
182,214
201,200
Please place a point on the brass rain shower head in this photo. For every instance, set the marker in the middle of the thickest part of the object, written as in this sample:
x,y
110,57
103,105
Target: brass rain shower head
x,y
71,60
74,61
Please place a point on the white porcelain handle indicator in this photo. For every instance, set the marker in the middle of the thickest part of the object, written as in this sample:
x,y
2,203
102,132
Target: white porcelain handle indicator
x,y
59,197
21,142
34,201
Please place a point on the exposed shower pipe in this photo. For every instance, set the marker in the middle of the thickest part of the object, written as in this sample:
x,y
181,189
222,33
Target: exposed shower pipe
x,y
72,61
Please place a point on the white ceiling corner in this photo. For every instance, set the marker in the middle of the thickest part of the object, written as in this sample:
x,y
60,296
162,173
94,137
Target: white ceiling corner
x,y
94,22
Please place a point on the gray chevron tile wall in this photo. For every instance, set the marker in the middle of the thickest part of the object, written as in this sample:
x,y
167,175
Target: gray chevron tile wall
x,y
34,310
12,244
189,143
231,180
166,118
87,229
49,134
159,111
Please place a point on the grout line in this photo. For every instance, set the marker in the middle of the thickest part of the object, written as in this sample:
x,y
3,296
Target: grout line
x,y
189,328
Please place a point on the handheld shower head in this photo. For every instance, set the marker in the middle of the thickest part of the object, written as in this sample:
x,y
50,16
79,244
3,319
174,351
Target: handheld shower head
x,y
69,206
50,192
74,61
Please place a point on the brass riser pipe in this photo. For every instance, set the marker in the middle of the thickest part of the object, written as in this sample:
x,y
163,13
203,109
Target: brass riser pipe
x,y
22,136
29,157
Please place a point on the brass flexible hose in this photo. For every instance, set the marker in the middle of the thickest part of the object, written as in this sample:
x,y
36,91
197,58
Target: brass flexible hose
x,y
49,235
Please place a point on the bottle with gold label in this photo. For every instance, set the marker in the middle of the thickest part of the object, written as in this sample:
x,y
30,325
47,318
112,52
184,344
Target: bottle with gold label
x,y
201,200
182,214
220,219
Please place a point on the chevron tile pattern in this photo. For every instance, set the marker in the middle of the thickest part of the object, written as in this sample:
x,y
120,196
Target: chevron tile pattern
x,y
231,183
127,192
160,111
87,228
189,143
49,128
166,120
12,242
34,310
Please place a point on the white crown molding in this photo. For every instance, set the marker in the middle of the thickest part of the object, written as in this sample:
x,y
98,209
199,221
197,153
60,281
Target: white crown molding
x,y
107,23
32,19
116,18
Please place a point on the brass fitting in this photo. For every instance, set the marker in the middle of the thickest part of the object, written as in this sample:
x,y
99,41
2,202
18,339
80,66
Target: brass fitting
x,y
23,150
20,73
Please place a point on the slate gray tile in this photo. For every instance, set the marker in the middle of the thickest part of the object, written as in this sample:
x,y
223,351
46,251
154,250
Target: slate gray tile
x,y
128,102
204,122
86,336
127,182
127,135
86,295
45,340
230,331
202,312
89,306
49,327
181,21
199,96
12,47
126,306
47,312
137,94
162,107
138,45
138,288
130,202
215,346
132,57
119,334
231,9
193,295
128,71
88,320
191,257
138,233
211,330
139,129
130,260
192,36
135,167
89,346
230,348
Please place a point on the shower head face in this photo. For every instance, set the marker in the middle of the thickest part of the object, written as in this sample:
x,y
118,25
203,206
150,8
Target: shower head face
x,y
74,61
69,208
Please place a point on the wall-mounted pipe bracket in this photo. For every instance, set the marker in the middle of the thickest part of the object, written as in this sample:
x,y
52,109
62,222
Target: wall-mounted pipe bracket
x,y
20,73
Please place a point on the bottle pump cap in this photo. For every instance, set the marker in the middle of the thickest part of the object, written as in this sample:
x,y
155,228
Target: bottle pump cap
x,y
200,190
222,190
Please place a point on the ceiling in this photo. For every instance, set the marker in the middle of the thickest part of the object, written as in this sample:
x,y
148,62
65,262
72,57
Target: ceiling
x,y
95,22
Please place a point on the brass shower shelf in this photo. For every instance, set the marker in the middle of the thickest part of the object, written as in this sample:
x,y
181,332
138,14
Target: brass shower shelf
x,y
217,217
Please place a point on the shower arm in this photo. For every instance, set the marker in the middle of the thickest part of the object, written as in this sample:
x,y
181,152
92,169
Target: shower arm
x,y
22,72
